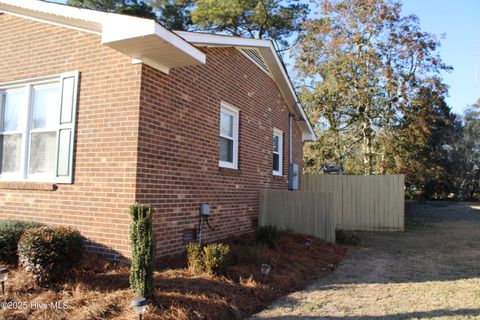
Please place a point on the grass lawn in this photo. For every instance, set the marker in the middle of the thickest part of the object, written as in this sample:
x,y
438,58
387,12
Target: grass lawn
x,y
430,271
101,290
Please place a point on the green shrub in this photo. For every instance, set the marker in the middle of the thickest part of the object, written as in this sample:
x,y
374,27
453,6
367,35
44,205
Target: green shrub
x,y
143,245
10,233
216,258
50,254
242,254
267,235
195,257
213,258
350,238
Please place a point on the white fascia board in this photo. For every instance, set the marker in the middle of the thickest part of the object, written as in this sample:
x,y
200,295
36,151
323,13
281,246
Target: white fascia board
x,y
215,40
310,136
56,14
180,43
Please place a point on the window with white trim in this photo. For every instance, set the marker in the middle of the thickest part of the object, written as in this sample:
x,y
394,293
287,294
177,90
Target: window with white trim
x,y
37,119
277,152
229,121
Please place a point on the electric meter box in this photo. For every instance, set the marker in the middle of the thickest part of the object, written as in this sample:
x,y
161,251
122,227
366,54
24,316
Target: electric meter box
x,y
293,173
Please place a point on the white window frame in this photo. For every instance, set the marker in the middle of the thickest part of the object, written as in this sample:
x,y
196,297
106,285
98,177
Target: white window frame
x,y
20,131
41,177
278,133
26,125
235,113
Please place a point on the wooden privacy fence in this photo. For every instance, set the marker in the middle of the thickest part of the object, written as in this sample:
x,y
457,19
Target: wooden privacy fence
x,y
330,202
367,203
304,212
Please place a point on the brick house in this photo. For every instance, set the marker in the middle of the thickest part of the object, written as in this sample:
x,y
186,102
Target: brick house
x,y
100,110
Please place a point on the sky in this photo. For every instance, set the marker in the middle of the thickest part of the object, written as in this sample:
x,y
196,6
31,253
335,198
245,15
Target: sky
x,y
459,20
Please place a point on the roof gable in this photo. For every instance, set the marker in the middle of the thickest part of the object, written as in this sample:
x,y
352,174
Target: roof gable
x,y
270,59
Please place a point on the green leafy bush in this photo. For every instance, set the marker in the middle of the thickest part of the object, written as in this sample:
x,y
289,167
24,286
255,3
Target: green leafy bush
x,y
50,254
350,238
213,258
195,257
267,235
216,258
143,245
243,254
10,233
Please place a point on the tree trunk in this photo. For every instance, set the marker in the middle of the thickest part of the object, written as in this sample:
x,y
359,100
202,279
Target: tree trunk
x,y
367,150
338,149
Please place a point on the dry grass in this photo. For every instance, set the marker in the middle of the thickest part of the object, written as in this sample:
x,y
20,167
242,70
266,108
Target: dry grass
x,y
101,291
429,272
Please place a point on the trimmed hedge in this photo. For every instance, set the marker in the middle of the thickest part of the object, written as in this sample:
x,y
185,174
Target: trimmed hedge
x,y
10,233
50,254
143,248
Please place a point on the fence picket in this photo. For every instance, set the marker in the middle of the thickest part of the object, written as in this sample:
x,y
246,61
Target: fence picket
x,y
373,203
329,202
304,212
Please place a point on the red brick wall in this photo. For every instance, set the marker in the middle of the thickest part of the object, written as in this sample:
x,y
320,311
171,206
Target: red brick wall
x,y
179,145
174,134
105,154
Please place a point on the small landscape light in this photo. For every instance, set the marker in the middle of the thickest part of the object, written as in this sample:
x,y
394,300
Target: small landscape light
x,y
139,305
3,278
308,243
265,269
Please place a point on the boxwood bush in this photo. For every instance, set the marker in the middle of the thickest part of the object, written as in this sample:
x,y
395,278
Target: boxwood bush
x,y
267,235
50,254
216,258
195,257
10,233
143,249
213,258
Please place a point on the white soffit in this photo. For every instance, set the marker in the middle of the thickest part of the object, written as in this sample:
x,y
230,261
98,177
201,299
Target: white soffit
x,y
148,41
274,64
142,39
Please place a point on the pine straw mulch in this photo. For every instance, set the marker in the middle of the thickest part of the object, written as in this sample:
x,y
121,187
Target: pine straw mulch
x,y
101,290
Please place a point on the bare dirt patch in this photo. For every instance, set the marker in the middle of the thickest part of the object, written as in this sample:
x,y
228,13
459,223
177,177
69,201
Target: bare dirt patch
x,y
431,271
101,291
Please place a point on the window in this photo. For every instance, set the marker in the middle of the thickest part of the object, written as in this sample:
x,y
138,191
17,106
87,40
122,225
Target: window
x,y
277,152
36,129
229,116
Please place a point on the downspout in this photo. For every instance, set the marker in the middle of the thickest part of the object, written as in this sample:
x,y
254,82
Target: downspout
x,y
290,138
293,169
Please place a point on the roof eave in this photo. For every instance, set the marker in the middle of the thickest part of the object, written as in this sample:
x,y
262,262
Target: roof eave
x,y
286,87
154,44
147,41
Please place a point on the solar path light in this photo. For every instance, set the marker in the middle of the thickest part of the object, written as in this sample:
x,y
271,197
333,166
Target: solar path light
x,y
3,278
265,269
139,305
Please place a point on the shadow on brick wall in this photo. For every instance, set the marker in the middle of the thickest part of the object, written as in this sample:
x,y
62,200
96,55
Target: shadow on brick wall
x,y
105,252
